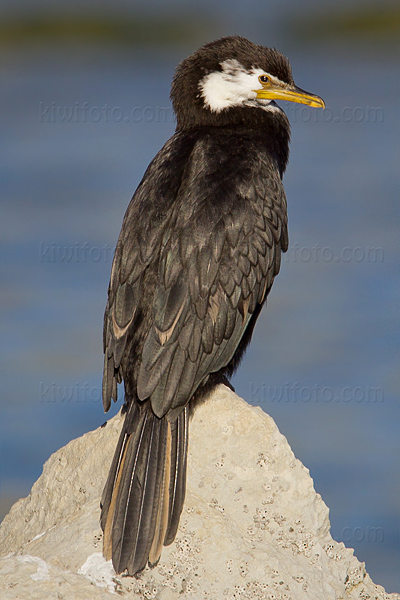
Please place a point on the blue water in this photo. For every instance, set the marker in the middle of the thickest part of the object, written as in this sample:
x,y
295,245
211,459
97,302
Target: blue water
x,y
324,355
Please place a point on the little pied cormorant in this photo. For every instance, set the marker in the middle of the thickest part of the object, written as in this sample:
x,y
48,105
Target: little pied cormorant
x,y
198,251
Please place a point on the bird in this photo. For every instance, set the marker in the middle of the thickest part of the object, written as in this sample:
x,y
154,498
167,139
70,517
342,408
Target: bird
x,y
199,248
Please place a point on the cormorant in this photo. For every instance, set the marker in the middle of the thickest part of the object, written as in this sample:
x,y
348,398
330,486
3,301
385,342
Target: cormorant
x,y
198,251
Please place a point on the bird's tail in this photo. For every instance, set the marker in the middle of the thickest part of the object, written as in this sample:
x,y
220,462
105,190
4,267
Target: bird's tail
x,y
143,498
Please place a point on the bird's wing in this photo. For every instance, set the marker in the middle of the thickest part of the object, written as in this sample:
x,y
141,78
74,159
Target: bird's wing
x,y
138,247
193,275
217,264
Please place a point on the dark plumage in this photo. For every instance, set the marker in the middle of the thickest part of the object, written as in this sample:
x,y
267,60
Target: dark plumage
x,y
199,248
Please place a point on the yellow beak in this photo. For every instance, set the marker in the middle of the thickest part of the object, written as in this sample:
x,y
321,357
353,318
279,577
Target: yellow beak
x,y
292,93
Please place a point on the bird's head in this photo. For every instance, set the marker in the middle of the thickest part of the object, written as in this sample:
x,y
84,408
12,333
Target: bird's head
x,y
222,81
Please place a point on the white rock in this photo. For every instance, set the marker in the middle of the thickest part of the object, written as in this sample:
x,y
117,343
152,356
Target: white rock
x,y
252,525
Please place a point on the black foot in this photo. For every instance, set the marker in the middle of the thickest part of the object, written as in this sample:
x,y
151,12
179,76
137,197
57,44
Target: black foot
x,y
228,384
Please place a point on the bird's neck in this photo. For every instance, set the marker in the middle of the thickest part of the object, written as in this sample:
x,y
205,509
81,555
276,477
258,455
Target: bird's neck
x,y
271,130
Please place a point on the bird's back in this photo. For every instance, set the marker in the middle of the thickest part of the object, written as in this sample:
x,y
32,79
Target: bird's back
x,y
209,217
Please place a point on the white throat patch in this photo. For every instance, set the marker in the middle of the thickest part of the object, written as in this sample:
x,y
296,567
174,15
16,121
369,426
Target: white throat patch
x,y
233,86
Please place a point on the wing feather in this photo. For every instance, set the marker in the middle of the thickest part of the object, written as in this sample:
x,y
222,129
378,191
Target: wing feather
x,y
206,264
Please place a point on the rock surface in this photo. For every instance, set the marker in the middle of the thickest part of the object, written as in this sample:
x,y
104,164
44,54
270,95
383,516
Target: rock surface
x,y
252,525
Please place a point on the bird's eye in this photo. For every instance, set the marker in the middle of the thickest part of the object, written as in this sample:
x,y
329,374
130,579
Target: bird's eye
x,y
264,79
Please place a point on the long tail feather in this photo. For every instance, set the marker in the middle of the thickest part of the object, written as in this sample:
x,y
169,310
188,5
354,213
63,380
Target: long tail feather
x,y
163,505
144,494
179,445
